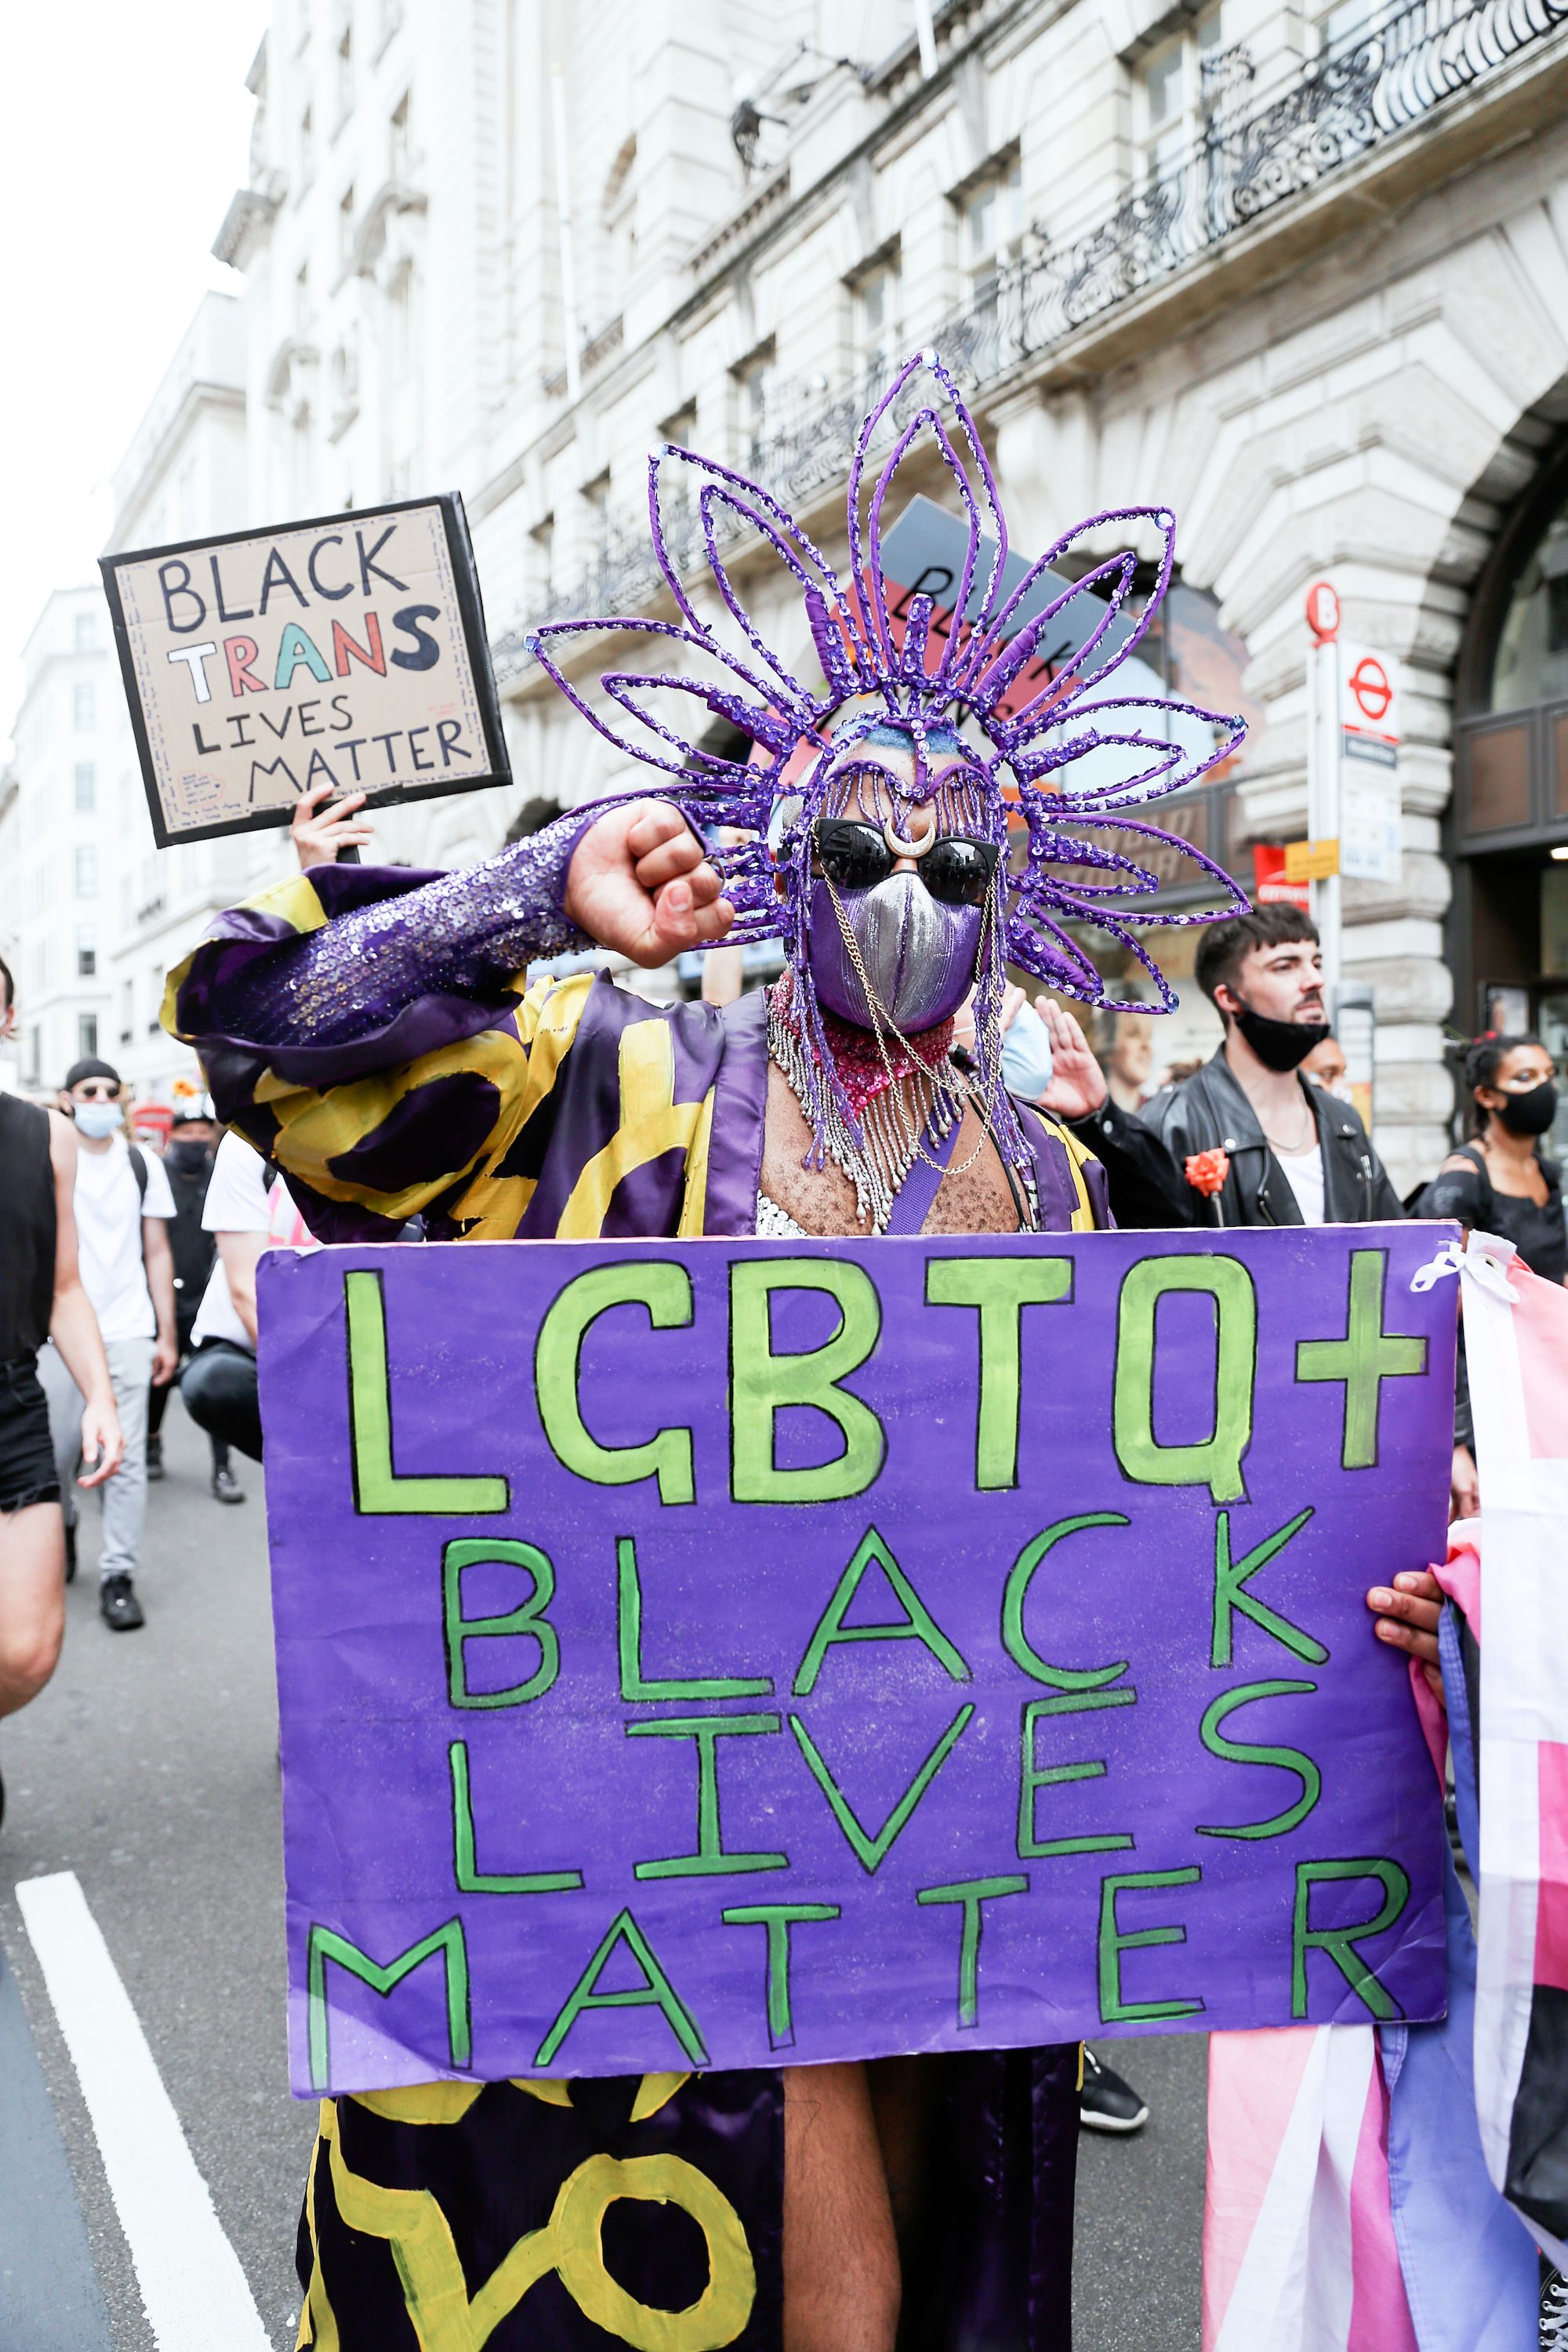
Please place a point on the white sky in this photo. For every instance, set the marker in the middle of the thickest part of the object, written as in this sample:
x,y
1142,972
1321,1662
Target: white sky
x,y
124,130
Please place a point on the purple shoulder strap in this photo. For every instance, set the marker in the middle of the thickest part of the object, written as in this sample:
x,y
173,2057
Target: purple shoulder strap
x,y
911,1202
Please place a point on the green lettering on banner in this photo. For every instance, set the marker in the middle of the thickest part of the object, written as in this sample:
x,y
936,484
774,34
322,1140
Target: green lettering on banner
x,y
471,1879
763,1385
1001,1287
919,1624
665,1291
655,1992
1114,1940
1230,1578
635,1688
872,1852
325,1944
1033,1776
1339,1943
971,1892
1240,1751
1362,1359
778,1918
1216,1461
709,1861
1016,1594
379,1492
528,1618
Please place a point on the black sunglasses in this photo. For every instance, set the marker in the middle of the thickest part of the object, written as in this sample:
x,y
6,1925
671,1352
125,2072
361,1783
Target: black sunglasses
x,y
956,869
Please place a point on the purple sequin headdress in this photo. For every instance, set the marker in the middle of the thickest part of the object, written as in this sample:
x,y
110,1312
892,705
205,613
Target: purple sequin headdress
x,y
759,815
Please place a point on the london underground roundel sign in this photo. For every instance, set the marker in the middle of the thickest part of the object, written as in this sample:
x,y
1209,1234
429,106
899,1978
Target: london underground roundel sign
x,y
1322,611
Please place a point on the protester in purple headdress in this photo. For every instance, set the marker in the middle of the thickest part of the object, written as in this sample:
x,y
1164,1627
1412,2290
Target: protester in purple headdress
x,y
372,1031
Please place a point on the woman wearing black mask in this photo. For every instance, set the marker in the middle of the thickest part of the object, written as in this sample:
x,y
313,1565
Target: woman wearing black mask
x,y
1500,1183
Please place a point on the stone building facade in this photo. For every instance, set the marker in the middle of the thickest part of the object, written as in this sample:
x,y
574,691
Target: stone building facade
x,y
1299,278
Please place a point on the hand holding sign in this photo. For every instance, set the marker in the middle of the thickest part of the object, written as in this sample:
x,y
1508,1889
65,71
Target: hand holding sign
x,y
323,827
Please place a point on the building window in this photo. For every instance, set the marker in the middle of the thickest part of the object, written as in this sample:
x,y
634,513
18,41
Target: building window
x,y
86,787
1171,98
86,952
346,74
35,1054
302,299
346,228
878,318
84,708
87,871
87,633
307,151
596,501
400,320
1530,664
542,539
87,1036
756,388
400,158
40,966
993,225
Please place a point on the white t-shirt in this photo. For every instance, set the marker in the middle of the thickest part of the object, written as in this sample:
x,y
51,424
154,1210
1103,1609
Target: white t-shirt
x,y
1305,1171
236,1203
109,1213
239,1200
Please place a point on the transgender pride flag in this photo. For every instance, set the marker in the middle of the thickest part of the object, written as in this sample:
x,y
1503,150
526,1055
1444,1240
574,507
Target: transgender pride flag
x,y
1354,2171
1515,1337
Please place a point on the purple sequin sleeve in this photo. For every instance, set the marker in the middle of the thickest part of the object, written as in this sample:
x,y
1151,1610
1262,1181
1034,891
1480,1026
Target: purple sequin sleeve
x,y
467,934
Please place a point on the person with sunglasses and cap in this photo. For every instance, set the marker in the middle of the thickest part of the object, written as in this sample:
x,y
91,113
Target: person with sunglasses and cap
x,y
123,1207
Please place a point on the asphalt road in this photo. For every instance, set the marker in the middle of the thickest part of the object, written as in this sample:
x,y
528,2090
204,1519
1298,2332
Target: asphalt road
x,y
149,1769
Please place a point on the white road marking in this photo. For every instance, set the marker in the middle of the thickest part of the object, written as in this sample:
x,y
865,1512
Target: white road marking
x,y
195,2294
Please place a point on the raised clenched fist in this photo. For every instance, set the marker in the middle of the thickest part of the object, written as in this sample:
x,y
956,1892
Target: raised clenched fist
x,y
638,883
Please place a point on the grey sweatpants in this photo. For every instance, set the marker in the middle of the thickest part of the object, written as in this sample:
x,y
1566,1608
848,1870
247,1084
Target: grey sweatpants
x,y
125,1496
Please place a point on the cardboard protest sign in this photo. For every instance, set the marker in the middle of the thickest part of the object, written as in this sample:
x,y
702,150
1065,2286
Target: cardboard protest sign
x,y
695,1653
350,651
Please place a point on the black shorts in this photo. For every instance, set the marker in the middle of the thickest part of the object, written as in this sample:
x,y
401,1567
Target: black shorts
x,y
27,1473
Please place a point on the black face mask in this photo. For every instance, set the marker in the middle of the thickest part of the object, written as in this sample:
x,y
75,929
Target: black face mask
x,y
1531,1113
1279,1045
189,1158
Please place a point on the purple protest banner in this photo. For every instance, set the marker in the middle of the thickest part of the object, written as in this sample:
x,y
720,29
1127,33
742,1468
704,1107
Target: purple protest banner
x,y
735,1654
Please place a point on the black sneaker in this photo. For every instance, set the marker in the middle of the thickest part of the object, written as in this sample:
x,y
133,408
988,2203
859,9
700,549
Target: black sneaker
x,y
1106,2103
154,1459
121,1609
1554,2312
70,1552
226,1486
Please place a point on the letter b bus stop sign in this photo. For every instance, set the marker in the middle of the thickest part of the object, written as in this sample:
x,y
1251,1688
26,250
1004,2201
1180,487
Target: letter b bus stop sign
x,y
348,651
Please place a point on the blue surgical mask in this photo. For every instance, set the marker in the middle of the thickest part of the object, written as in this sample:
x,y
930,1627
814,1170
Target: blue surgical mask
x,y
1026,1056
99,1118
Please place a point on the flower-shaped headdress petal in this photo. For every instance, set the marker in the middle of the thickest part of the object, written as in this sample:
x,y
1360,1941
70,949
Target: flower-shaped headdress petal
x,y
901,663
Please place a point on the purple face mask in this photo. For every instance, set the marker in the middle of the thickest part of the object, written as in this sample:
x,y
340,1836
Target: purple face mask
x,y
919,955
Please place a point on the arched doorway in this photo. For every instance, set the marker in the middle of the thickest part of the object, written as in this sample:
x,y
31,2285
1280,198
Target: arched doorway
x,y
1508,822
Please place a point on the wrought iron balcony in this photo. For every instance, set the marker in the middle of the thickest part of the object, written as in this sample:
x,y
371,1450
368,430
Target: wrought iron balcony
x,y
1406,62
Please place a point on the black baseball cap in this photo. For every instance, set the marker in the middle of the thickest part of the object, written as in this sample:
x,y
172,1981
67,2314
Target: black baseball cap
x,y
88,1068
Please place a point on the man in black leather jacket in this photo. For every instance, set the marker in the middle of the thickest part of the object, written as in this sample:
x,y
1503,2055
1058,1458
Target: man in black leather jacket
x,y
1297,1154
